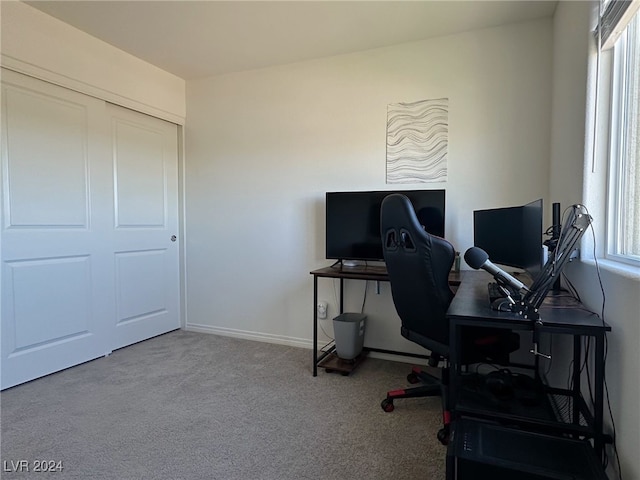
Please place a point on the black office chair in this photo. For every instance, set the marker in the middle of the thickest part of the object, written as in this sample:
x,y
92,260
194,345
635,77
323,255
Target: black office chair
x,y
418,264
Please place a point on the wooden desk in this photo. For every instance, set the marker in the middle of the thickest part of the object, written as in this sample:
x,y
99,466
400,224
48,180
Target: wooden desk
x,y
558,315
361,272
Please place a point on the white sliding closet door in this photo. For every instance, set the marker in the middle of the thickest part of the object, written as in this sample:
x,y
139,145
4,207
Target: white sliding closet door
x,y
144,156
57,293
89,203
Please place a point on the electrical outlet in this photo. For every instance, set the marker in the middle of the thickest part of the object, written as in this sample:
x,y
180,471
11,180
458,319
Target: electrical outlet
x,y
322,309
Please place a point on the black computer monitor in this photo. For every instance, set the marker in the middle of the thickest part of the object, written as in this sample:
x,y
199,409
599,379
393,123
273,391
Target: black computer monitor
x,y
511,236
353,221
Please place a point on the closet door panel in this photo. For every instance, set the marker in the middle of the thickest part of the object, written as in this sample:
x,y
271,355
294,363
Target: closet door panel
x,y
56,294
48,177
145,164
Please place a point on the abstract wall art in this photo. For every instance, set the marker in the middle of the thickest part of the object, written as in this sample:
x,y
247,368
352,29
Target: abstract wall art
x,y
417,141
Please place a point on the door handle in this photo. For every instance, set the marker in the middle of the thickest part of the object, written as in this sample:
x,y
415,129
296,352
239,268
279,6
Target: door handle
x,y
173,238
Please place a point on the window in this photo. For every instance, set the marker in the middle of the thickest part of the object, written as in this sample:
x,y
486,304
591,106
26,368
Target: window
x,y
624,166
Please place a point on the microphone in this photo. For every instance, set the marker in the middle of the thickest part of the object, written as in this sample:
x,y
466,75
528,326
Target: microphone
x,y
477,258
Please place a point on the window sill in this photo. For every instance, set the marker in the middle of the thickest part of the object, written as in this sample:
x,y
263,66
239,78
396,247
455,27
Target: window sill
x,y
624,270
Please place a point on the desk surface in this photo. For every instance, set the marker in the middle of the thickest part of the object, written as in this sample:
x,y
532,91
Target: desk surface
x,y
362,272
471,304
367,272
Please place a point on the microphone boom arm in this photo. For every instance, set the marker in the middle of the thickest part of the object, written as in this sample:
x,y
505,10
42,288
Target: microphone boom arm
x,y
574,227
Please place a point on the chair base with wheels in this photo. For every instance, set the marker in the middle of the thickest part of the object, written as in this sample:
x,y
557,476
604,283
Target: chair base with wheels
x,y
431,386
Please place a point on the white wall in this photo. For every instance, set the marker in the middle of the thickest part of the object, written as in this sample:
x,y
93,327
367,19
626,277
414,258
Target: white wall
x,y
572,182
42,46
264,146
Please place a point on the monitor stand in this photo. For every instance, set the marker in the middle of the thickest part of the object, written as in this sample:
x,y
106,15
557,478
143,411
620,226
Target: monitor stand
x,y
350,263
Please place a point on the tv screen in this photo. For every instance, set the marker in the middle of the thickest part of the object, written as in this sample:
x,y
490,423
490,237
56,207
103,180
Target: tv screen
x,y
511,236
353,221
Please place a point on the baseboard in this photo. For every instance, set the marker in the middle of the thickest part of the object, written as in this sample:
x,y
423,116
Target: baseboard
x,y
392,357
248,335
288,341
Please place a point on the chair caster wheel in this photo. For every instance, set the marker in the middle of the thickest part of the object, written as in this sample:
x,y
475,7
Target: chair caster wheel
x,y
387,405
443,435
412,378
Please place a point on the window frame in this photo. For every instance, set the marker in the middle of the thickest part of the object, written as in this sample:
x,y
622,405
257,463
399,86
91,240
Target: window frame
x,y
617,147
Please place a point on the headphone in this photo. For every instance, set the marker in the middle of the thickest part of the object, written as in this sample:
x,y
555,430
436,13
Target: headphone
x,y
500,384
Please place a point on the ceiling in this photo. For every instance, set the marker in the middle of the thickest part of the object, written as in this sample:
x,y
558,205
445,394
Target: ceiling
x,y
196,39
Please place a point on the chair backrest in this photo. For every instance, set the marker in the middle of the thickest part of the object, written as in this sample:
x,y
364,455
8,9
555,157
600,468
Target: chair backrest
x,y
418,264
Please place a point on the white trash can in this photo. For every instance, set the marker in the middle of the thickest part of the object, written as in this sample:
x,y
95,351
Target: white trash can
x,y
348,329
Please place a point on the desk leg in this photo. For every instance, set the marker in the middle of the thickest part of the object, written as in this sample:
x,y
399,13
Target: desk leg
x,y
598,441
575,386
450,460
315,326
454,368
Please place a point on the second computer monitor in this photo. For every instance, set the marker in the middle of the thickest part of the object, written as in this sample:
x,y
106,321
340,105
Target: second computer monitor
x,y
511,236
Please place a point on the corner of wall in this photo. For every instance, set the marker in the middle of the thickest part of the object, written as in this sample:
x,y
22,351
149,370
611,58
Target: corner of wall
x,y
38,45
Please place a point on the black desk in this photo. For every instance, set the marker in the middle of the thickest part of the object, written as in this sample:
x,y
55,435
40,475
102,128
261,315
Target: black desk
x,y
361,272
559,315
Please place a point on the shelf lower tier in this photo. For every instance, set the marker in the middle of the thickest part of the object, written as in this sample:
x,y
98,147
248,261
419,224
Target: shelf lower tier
x,y
332,363
535,405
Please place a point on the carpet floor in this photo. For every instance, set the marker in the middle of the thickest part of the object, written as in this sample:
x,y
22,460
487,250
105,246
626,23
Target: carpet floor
x,y
188,405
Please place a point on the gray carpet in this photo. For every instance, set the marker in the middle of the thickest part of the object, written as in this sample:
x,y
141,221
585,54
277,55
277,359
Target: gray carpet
x,y
195,406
